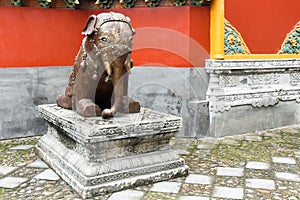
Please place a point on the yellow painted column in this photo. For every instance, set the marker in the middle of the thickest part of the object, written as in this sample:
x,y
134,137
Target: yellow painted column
x,y
217,30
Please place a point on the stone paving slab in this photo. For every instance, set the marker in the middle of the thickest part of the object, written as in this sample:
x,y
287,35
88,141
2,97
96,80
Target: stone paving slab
x,y
230,171
192,198
260,184
127,195
22,147
206,146
4,170
166,187
287,176
47,174
38,164
11,182
199,179
258,165
182,151
284,160
228,192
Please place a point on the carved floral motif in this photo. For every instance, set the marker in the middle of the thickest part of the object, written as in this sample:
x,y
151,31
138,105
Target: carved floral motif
x,y
107,4
179,2
16,2
257,83
152,3
71,3
295,78
228,81
127,3
233,41
264,79
45,3
291,44
201,2
104,4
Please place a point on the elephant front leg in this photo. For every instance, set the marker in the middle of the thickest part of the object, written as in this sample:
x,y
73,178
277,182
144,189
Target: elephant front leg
x,y
87,108
130,105
84,91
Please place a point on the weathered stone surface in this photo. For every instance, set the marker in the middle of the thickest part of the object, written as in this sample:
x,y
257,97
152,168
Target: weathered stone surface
x,y
199,179
11,182
260,184
166,187
287,176
228,192
29,87
41,85
258,165
48,174
4,170
284,160
21,147
177,91
95,155
248,91
38,164
192,198
127,195
230,171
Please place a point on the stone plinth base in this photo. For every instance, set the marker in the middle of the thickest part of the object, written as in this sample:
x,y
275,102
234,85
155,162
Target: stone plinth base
x,y
250,95
97,156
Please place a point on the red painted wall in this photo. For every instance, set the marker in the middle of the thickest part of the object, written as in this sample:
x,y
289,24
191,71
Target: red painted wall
x,y
51,37
263,23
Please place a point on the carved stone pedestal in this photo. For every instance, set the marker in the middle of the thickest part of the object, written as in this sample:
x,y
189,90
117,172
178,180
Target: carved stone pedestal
x,y
251,95
97,156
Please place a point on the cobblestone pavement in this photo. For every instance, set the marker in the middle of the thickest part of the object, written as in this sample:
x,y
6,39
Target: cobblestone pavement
x,y
263,165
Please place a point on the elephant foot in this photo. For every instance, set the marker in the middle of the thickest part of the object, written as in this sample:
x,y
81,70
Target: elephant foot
x,y
130,105
88,108
134,107
107,113
64,101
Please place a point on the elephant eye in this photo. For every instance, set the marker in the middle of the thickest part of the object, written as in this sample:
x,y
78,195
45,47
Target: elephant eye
x,y
103,39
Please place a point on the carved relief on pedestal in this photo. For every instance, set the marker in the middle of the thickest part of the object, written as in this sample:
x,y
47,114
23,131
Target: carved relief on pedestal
x,y
255,83
295,78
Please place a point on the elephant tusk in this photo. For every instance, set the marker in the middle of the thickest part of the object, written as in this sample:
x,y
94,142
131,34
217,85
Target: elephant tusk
x,y
108,71
108,78
128,64
108,68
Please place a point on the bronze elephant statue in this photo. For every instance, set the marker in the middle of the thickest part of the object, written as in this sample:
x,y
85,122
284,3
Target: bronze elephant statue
x,y
98,84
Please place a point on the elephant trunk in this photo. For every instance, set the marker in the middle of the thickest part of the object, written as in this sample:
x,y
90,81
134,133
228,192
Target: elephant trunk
x,y
118,71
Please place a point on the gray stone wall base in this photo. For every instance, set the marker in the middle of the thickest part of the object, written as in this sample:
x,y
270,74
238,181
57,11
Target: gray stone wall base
x,y
244,119
96,156
22,90
177,91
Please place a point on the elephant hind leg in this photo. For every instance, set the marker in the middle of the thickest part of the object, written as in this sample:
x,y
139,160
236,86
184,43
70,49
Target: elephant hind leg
x,y
88,108
64,101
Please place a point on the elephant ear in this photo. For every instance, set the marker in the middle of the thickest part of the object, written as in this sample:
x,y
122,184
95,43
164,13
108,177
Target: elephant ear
x,y
90,25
